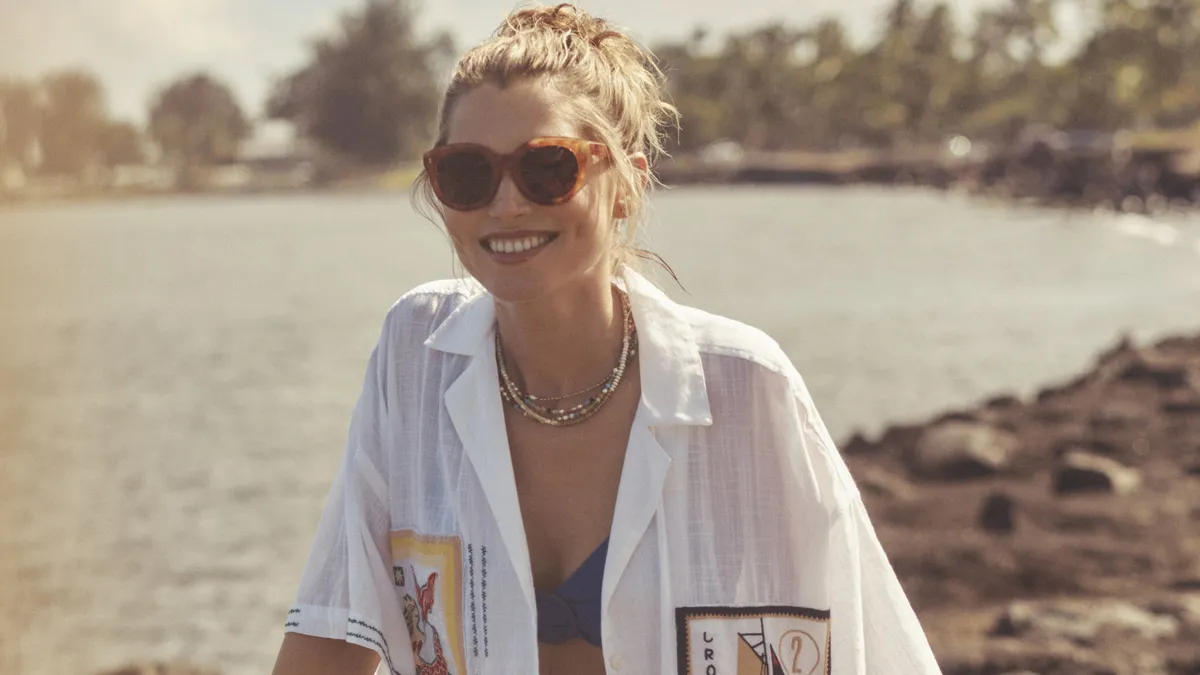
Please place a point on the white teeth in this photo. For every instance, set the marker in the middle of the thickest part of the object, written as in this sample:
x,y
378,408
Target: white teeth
x,y
516,245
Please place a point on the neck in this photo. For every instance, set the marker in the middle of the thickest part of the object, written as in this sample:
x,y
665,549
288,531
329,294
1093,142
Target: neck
x,y
562,343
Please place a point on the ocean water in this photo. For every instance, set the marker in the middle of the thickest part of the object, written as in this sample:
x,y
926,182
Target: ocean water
x,y
176,375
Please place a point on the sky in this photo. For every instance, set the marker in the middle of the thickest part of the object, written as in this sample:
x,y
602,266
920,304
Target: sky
x,y
138,46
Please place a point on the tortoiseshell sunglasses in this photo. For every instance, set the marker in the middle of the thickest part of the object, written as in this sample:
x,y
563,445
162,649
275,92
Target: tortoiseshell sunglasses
x,y
548,171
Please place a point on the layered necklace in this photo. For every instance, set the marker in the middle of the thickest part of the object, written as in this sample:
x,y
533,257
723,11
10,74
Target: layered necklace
x,y
541,409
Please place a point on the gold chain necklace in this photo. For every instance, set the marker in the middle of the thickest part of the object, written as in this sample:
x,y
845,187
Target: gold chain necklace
x,y
558,417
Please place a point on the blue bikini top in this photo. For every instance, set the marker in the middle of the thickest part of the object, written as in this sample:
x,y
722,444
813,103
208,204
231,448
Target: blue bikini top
x,y
573,609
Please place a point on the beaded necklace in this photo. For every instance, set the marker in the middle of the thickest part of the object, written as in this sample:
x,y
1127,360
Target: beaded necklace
x,y
529,405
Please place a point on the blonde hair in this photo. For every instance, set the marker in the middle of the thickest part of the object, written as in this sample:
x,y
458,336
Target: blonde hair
x,y
613,86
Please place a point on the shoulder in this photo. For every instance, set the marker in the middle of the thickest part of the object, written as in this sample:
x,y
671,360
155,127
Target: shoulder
x,y
416,314
433,298
740,358
752,384
722,339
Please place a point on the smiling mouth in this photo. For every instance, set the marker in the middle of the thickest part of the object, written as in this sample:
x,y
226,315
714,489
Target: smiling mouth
x,y
517,244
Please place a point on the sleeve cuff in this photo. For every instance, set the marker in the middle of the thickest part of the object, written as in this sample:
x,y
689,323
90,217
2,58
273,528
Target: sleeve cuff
x,y
340,624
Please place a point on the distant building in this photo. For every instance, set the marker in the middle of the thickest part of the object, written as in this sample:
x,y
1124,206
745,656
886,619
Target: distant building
x,y
723,153
275,156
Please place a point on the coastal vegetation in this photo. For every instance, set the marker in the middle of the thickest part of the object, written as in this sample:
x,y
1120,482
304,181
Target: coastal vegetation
x,y
366,98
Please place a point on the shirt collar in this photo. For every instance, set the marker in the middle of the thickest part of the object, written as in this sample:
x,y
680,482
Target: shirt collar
x,y
673,387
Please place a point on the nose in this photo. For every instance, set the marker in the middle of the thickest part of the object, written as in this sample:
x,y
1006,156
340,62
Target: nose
x,y
509,203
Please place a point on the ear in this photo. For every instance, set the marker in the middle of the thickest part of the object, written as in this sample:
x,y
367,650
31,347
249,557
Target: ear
x,y
642,166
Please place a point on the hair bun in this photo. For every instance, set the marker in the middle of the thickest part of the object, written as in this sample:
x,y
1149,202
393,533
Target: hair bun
x,y
565,19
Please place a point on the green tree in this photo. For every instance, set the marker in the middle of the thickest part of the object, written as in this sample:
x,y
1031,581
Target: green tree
x,y
762,87
1031,28
890,71
197,121
829,37
120,143
694,81
775,87
20,122
73,120
371,91
1127,66
1160,41
755,90
934,74
826,80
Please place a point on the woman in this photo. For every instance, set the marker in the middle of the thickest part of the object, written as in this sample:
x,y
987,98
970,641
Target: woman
x,y
564,472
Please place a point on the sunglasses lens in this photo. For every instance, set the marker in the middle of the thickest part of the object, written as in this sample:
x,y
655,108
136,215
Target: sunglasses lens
x,y
549,173
464,179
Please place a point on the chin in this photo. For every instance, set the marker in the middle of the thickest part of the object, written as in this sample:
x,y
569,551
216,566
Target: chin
x,y
529,284
516,288
516,283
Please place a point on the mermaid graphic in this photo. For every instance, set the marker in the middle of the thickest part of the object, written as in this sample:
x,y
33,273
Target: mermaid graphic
x,y
426,641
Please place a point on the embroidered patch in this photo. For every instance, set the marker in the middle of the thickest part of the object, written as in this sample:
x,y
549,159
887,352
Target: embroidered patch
x,y
430,584
770,640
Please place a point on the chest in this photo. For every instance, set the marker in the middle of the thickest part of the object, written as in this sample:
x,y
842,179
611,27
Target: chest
x,y
567,480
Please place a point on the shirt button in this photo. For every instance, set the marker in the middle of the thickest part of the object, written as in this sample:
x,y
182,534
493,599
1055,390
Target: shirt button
x,y
615,661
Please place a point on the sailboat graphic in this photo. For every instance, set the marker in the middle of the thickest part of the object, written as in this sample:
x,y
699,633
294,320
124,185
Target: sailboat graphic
x,y
763,640
755,656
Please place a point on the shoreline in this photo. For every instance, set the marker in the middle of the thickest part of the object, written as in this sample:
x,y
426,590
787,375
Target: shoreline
x,y
997,198
1143,174
1116,174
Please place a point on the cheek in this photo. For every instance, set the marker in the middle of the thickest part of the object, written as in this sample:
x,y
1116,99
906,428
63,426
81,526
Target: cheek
x,y
460,227
584,226
588,213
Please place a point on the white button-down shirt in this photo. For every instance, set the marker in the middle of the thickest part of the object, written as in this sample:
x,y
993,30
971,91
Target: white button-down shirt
x,y
739,541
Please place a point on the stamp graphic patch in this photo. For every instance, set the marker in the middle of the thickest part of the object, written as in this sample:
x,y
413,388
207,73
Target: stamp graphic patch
x,y
769,640
428,575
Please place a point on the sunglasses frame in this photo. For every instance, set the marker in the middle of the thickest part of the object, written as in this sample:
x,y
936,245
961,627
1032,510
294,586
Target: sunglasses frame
x,y
583,150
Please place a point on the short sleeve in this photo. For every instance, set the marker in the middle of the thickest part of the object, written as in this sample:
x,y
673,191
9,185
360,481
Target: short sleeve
x,y
877,630
347,590
873,626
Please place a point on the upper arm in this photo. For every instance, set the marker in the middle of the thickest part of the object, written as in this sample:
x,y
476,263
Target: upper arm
x,y
874,626
307,655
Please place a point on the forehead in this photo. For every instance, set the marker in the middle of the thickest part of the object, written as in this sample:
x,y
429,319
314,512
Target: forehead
x,y
503,118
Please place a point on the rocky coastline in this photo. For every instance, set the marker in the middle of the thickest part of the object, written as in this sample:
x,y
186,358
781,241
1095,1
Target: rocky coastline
x,y
1058,535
